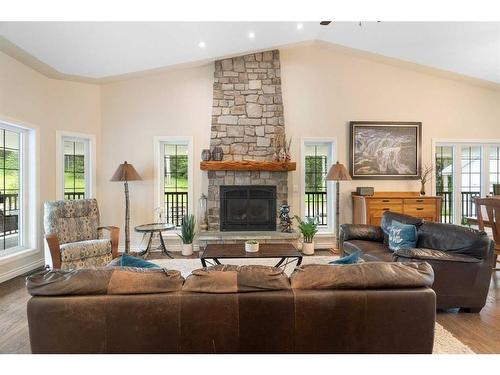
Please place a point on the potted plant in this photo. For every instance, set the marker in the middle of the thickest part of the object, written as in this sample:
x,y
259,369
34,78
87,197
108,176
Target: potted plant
x,y
187,234
308,228
251,246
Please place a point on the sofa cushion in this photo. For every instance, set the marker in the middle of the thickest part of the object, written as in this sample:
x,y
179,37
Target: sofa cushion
x,y
431,254
388,217
453,238
126,260
232,279
74,251
370,251
369,275
72,221
92,281
349,259
402,236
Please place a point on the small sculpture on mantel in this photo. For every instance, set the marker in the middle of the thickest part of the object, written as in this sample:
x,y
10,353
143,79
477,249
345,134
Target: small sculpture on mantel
x,y
285,220
282,149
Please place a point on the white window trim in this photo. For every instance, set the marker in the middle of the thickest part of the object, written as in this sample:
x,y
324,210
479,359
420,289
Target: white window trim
x,y
29,191
330,186
457,173
90,165
158,175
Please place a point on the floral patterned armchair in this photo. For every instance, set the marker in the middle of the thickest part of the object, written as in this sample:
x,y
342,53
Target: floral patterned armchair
x,y
74,237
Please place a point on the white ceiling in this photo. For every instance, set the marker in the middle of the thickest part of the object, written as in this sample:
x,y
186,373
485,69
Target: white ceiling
x,y
99,50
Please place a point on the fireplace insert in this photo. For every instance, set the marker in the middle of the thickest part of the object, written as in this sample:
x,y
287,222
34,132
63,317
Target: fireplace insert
x,y
247,207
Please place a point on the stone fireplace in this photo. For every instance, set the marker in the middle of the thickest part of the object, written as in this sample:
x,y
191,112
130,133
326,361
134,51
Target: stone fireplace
x,y
247,117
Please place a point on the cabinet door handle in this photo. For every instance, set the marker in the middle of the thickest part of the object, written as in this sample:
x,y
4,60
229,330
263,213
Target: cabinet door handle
x,y
385,200
385,209
420,200
420,208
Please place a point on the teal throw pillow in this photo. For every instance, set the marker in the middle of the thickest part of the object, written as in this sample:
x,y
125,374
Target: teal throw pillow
x,y
349,259
402,236
130,261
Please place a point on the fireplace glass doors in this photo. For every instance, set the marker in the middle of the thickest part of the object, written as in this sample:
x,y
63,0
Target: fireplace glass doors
x,y
247,208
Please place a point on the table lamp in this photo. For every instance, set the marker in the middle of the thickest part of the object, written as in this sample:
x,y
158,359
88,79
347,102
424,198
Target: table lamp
x,y
126,172
337,173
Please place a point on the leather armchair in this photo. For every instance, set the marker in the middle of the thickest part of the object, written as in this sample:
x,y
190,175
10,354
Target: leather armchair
x,y
462,258
74,237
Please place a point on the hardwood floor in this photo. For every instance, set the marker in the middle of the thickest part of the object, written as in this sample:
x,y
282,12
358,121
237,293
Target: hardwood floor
x,y
479,331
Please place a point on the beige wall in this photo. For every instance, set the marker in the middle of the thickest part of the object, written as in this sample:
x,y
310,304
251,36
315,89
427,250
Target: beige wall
x,y
176,103
324,89
50,105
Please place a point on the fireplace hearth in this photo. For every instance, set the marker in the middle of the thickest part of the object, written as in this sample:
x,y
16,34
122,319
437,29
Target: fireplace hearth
x,y
248,208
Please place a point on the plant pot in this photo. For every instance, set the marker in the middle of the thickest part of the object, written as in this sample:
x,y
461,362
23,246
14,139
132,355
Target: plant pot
x,y
187,249
251,247
308,248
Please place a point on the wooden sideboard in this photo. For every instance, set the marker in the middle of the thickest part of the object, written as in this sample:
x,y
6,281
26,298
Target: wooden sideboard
x,y
369,209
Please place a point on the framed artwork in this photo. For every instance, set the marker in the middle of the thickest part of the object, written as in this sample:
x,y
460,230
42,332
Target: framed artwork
x,y
385,150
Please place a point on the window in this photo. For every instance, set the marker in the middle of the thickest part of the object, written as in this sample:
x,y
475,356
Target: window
x,y
471,174
444,181
464,171
174,176
10,187
317,192
494,156
76,166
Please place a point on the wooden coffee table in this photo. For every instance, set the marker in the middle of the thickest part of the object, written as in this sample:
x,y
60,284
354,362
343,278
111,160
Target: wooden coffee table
x,y
286,253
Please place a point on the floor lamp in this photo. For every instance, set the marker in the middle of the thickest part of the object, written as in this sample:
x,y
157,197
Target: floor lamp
x,y
126,172
337,173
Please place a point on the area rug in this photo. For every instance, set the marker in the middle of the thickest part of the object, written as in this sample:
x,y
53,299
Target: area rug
x,y
444,341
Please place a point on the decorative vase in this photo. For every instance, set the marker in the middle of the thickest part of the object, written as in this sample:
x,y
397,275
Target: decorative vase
x,y
206,155
217,154
202,212
308,248
422,189
187,249
251,247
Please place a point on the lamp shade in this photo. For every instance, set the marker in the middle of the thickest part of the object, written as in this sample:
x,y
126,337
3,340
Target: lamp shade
x,y
338,172
126,172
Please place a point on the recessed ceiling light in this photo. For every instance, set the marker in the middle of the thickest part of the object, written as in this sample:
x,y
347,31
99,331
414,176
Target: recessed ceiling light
x,y
202,44
251,35
300,26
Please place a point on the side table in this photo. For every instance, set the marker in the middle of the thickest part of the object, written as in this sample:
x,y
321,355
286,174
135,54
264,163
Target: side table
x,y
151,229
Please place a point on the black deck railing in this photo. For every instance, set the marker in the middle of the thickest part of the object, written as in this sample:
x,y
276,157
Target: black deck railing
x,y
316,206
73,195
467,202
9,214
176,206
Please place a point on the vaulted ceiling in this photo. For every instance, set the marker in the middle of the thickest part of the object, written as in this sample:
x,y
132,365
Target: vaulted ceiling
x,y
97,50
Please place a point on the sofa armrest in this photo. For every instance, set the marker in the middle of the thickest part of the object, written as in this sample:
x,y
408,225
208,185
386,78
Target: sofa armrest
x,y
361,232
114,235
420,254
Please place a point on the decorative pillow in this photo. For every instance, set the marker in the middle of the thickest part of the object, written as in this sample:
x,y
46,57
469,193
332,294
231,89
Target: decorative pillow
x,y
233,279
388,217
402,236
109,280
349,259
129,261
368,275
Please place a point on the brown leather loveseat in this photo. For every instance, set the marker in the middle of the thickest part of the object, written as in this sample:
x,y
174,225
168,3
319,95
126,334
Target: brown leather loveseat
x,y
360,308
462,258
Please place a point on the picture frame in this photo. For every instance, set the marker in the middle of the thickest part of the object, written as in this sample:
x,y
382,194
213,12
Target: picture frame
x,y
385,150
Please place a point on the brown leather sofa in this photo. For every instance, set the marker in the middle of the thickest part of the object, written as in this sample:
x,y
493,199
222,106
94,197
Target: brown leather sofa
x,y
362,308
461,257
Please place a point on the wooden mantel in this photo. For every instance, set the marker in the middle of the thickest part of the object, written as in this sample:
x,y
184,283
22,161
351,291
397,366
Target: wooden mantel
x,y
248,165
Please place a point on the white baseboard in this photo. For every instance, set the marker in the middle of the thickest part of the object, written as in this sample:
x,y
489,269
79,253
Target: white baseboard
x,y
21,270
